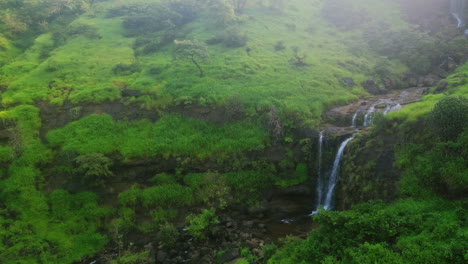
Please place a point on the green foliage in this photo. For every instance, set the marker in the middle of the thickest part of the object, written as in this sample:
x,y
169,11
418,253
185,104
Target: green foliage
x,y
437,166
132,257
201,225
6,154
166,195
247,185
95,167
231,38
65,236
192,49
160,216
163,178
301,174
375,232
449,117
130,196
168,235
172,135
209,188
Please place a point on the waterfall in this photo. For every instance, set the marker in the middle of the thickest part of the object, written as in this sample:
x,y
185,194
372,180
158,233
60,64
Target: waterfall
x,y
353,121
457,9
332,181
390,106
320,184
368,115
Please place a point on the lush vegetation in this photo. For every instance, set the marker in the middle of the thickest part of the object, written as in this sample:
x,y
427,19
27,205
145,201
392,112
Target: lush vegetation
x,y
232,87
427,224
172,135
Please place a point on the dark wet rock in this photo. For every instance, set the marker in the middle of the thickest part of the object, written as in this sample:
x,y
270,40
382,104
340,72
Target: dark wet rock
x,y
205,251
258,210
161,256
248,223
371,87
430,80
229,255
441,87
411,80
252,243
451,64
440,73
348,81
389,84
297,190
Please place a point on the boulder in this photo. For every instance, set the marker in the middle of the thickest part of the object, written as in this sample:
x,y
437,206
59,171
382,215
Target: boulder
x,y
411,80
161,257
229,255
430,80
389,84
371,87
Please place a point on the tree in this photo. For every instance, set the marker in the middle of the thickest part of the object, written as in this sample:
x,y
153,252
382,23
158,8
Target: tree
x,y
192,49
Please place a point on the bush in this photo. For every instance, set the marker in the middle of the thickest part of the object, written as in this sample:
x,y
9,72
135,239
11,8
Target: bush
x,y
200,225
166,195
449,117
168,235
95,167
231,38
126,69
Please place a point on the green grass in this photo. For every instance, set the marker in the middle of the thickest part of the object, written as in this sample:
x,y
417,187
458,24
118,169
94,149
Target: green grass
x,y
458,86
80,69
40,227
170,136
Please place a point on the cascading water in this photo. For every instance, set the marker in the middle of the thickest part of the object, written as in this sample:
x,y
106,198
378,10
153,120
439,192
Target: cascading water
x,y
390,106
368,116
328,188
332,181
353,121
457,8
320,179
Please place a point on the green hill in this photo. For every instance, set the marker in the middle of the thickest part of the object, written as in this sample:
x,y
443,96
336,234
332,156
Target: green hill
x,y
121,119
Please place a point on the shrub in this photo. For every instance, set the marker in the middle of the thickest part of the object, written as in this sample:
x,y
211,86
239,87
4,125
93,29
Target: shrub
x,y
95,167
130,196
200,225
449,117
163,178
159,216
126,69
280,46
166,195
168,235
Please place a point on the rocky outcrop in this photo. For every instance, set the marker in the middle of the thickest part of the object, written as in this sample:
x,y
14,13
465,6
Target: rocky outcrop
x,y
368,171
371,87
